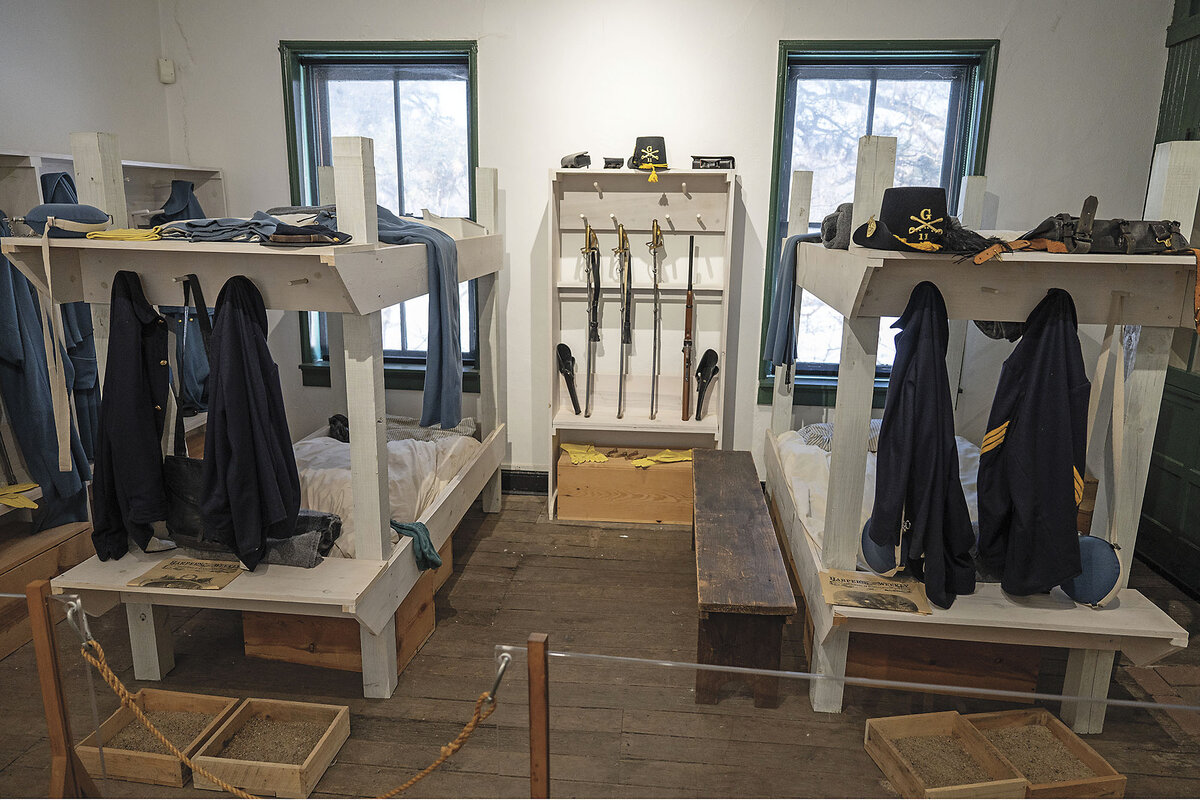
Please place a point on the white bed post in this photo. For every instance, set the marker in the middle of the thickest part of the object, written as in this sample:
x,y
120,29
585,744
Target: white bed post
x,y
852,417
150,641
1172,194
970,214
799,211
100,182
354,188
487,214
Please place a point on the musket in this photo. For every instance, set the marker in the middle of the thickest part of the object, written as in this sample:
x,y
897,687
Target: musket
x,y
687,334
625,270
655,244
591,256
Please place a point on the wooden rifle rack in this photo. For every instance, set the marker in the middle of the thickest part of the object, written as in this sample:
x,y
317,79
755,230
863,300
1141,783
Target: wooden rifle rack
x,y
68,777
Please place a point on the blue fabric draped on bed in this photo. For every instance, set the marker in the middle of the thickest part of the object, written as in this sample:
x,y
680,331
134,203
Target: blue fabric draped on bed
x,y
781,332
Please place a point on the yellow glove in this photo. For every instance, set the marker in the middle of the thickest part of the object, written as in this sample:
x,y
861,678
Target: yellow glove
x,y
672,456
584,453
11,495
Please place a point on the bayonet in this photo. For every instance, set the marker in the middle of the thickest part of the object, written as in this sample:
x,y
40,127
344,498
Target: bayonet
x,y
625,269
591,265
655,244
687,334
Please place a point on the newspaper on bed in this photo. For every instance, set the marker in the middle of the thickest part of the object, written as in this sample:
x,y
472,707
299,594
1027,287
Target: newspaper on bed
x,y
864,590
189,573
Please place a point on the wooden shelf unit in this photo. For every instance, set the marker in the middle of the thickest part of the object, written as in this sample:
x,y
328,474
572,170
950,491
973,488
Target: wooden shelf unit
x,y
863,285
25,557
686,203
356,281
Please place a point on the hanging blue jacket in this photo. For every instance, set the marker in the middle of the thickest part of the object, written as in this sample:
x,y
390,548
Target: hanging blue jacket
x,y
251,486
128,492
25,387
919,502
1031,462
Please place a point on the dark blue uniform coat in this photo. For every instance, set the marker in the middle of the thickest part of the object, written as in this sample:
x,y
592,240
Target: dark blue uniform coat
x,y
128,490
251,486
1032,461
917,484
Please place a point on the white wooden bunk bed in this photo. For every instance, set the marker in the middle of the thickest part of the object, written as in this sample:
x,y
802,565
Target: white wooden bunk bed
x,y
357,281
864,285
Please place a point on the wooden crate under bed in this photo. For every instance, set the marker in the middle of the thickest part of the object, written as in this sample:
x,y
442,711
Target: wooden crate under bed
x,y
334,642
160,769
617,491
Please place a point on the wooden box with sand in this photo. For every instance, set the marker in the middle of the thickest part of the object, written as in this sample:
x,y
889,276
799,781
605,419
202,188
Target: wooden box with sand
x,y
940,755
274,747
1055,761
132,753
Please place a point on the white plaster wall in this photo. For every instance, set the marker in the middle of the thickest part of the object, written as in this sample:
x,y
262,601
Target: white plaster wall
x,y
555,77
71,65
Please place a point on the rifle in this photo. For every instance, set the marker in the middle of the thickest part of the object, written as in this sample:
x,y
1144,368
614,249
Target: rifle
x,y
591,255
655,244
687,334
625,269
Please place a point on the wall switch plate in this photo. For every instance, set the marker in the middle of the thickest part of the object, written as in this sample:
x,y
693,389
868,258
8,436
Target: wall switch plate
x,y
166,71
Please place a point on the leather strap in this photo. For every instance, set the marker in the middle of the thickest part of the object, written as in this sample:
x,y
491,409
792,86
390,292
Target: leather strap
x,y
52,335
1017,245
193,296
1082,239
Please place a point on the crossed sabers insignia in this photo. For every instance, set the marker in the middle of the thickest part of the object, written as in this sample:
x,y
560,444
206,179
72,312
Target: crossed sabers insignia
x,y
923,225
649,153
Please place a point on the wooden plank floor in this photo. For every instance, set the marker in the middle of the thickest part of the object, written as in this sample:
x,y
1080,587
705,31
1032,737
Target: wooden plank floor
x,y
616,730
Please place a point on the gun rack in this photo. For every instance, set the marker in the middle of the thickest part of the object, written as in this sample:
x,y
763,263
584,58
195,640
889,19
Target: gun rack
x,y
685,203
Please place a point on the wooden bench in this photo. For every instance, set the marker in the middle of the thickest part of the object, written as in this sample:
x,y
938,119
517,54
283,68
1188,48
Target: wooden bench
x,y
742,584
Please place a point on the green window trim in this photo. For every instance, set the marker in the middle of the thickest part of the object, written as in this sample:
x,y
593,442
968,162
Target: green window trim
x,y
820,390
294,54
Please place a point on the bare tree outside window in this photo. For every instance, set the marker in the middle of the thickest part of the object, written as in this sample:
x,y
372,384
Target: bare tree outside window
x,y
418,116
828,108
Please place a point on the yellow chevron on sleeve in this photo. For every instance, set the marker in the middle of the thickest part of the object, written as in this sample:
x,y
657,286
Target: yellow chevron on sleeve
x,y
1078,486
994,437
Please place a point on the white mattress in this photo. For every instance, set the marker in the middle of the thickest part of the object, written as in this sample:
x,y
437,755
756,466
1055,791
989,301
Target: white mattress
x,y
806,468
417,472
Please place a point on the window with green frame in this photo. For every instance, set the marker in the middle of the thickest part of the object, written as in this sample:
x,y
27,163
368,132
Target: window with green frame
x,y
933,96
417,102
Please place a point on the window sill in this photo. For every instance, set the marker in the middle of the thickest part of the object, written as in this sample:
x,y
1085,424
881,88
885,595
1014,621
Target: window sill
x,y
816,390
395,376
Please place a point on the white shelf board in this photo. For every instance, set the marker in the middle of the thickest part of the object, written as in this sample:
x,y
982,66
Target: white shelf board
x,y
335,587
636,419
869,283
676,292
351,278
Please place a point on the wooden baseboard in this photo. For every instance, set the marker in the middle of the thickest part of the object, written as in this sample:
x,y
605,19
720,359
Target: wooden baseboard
x,y
333,642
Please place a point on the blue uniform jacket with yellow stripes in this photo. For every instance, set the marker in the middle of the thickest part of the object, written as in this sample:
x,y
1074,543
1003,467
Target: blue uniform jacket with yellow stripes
x,y
917,484
1032,460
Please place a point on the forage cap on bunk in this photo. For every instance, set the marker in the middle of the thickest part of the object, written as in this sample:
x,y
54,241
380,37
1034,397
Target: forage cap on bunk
x,y
914,219
649,153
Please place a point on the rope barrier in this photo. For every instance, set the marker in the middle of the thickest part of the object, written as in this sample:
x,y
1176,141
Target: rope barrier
x,y
93,653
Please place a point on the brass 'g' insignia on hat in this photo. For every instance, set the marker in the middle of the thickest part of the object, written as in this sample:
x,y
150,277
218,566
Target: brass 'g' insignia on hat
x,y
649,154
871,226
